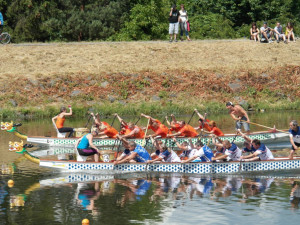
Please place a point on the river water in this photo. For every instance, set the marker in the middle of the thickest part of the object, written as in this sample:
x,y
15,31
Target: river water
x,y
43,196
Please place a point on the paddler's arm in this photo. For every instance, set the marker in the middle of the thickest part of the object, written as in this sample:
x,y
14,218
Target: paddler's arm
x,y
167,121
191,143
219,157
234,117
244,136
146,116
120,119
190,159
69,113
173,135
256,153
177,143
155,160
199,115
133,132
127,159
53,119
173,118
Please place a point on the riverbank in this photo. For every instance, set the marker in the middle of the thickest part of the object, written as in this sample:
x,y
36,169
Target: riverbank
x,y
150,77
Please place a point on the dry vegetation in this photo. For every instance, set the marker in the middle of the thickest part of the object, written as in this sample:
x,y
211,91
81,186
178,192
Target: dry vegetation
x,y
129,72
130,57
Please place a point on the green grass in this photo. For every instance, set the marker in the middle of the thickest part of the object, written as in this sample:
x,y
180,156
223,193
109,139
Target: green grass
x,y
161,108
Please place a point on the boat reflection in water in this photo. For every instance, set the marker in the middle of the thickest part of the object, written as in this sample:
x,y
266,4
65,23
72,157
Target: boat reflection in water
x,y
152,197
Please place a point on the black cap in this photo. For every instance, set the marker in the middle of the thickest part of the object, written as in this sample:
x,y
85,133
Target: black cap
x,y
229,104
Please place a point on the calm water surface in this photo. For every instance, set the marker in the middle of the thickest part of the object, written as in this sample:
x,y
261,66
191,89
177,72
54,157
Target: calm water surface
x,y
42,196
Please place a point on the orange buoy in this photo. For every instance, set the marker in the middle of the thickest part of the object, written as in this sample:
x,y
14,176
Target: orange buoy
x,y
85,222
10,183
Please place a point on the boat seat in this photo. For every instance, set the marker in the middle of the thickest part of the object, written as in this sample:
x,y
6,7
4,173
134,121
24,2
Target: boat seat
x,y
59,135
80,158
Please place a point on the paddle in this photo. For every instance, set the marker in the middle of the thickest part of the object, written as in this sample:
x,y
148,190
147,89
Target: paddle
x,y
191,117
118,149
88,121
113,121
144,140
137,120
260,125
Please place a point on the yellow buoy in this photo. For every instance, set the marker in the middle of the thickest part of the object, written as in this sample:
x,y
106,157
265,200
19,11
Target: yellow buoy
x,y
85,222
10,183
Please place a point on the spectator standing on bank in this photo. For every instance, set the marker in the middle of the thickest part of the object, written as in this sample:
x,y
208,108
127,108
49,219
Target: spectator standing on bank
x,y
1,22
173,23
183,20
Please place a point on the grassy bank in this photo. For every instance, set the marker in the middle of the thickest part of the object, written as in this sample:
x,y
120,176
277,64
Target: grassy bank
x,y
136,109
149,77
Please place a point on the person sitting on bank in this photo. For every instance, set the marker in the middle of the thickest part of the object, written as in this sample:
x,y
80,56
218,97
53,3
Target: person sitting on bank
x,y
60,120
289,32
85,146
266,33
254,32
130,129
155,125
294,137
278,32
163,153
105,130
232,152
135,154
203,153
258,149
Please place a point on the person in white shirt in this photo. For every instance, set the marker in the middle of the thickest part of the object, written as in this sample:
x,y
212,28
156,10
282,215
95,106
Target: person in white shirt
x,y
279,33
262,152
183,22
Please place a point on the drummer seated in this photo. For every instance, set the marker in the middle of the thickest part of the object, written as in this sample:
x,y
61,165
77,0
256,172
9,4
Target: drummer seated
x,y
136,153
85,146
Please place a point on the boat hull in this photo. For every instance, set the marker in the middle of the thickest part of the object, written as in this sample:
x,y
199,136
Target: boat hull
x,y
70,142
188,168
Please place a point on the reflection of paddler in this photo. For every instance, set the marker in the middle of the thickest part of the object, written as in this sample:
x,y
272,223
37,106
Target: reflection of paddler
x,y
60,120
105,129
131,130
86,194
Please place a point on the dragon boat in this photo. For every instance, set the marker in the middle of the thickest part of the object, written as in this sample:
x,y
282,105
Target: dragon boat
x,y
233,167
264,136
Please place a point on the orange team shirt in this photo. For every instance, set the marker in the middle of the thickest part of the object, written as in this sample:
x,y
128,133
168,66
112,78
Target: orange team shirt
x,y
206,126
177,128
140,134
60,122
125,130
188,131
162,130
217,131
110,132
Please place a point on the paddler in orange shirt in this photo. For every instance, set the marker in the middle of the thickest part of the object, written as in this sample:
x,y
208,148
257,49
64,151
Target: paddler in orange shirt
x,y
60,120
130,130
185,131
155,125
174,124
105,130
203,122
